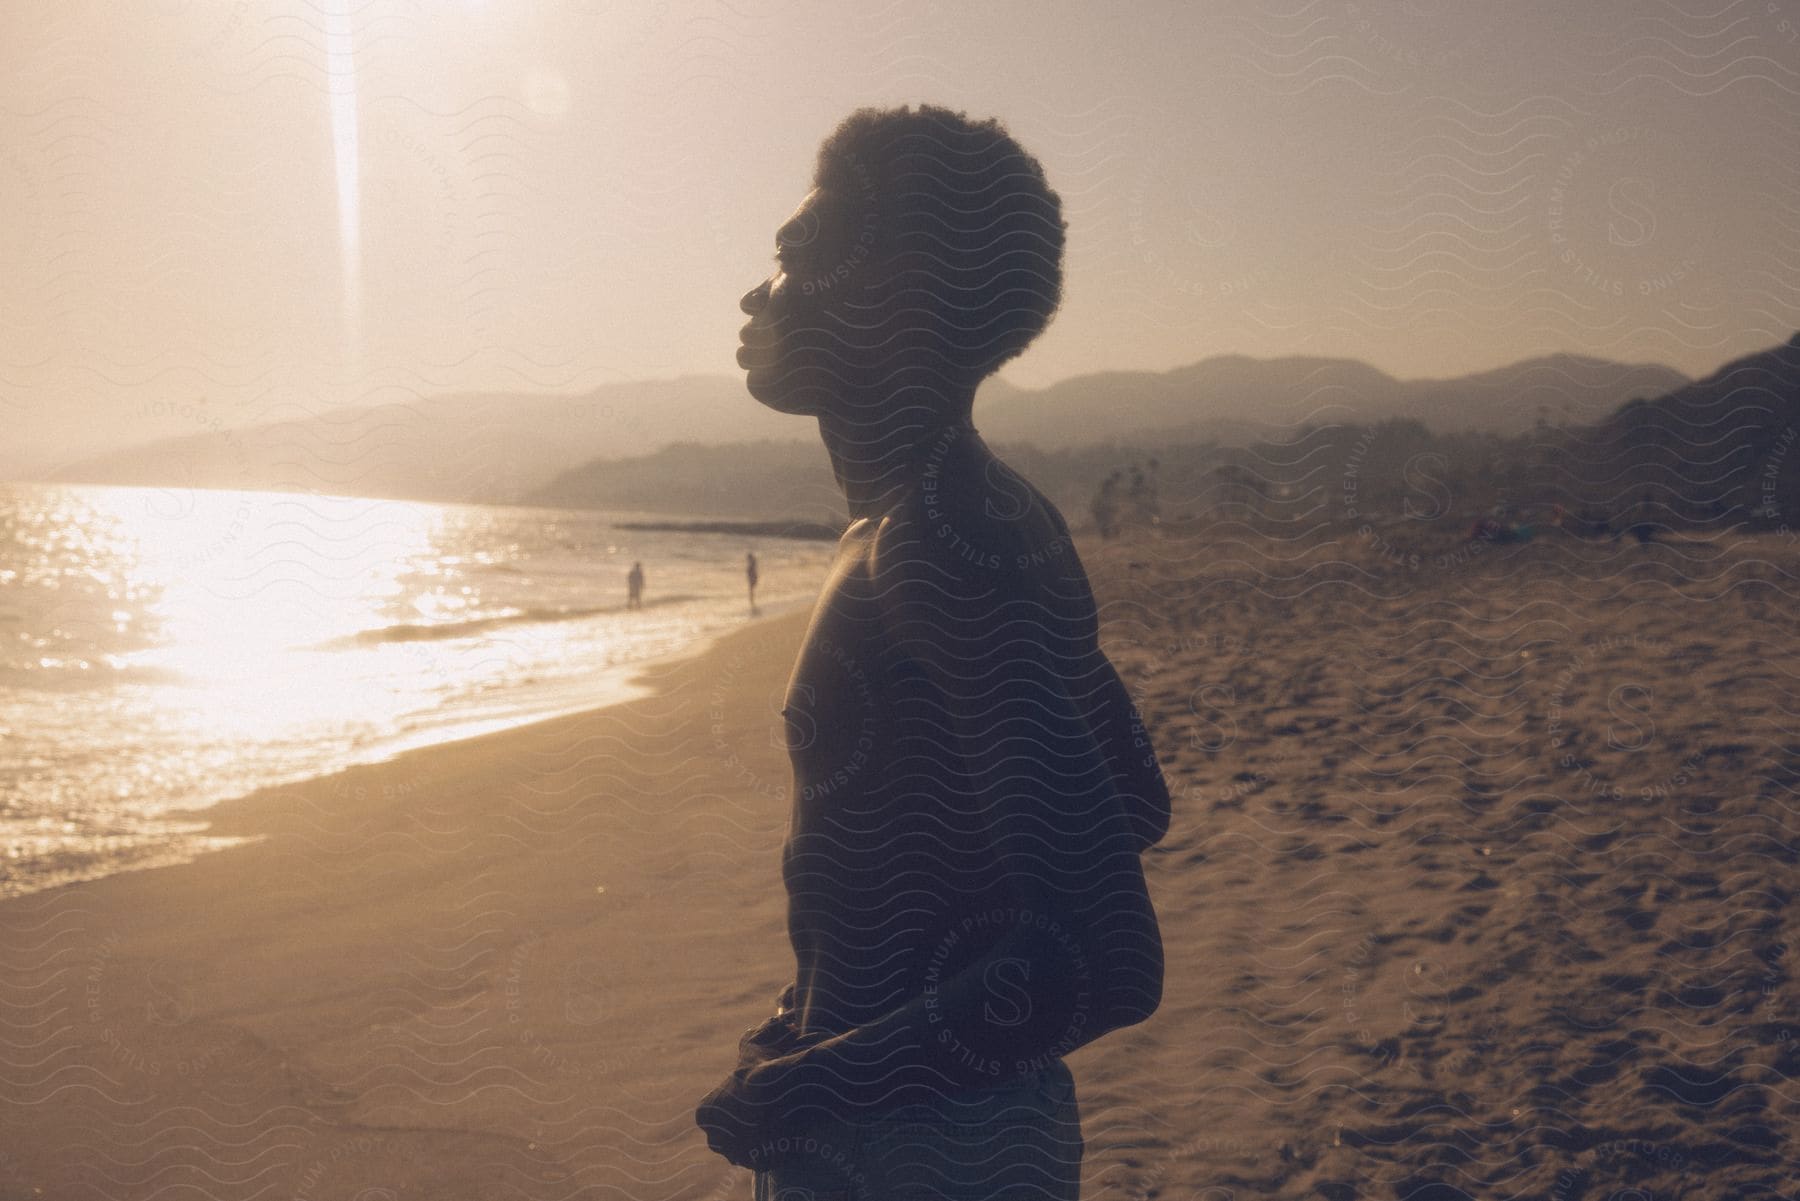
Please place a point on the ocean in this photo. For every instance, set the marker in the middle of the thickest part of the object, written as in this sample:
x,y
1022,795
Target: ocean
x,y
164,649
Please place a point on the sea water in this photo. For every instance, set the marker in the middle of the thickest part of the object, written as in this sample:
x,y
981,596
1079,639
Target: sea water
x,y
163,649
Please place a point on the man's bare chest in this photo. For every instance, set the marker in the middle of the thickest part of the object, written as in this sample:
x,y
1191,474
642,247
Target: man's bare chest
x,y
835,708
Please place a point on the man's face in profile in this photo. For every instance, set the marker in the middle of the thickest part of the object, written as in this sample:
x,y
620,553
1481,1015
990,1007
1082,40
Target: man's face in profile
x,y
794,348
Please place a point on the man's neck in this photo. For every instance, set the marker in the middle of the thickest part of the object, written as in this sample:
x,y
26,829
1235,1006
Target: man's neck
x,y
878,464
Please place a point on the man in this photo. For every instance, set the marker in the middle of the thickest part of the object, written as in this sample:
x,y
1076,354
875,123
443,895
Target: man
x,y
634,587
973,788
750,574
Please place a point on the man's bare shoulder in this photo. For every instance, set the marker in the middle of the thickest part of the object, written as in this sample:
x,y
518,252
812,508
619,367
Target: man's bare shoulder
x,y
989,556
966,545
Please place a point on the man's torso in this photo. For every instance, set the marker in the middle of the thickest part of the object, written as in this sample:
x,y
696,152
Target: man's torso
x,y
885,855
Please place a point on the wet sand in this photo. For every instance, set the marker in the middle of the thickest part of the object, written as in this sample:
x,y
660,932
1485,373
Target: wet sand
x,y
505,966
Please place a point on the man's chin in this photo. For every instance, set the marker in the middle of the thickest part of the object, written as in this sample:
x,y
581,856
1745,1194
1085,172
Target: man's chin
x,y
757,384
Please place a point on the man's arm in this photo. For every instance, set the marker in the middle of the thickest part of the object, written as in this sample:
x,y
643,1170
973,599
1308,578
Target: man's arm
x,y
1120,731
1117,724
1012,758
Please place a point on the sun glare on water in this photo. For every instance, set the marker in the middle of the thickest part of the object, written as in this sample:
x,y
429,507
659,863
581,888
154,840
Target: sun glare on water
x,y
247,596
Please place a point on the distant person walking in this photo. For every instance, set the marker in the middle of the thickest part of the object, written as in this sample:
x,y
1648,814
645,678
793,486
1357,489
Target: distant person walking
x,y
634,587
750,574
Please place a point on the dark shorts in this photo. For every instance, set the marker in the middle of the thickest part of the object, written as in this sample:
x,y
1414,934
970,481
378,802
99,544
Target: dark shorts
x,y
1018,1142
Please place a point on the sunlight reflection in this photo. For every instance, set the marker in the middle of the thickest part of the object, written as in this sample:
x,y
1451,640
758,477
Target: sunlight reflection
x,y
166,648
242,581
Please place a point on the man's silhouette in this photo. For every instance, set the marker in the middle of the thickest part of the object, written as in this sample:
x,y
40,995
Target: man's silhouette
x,y
634,587
973,787
750,574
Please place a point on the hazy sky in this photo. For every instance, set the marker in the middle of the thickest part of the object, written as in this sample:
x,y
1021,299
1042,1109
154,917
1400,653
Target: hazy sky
x,y
269,205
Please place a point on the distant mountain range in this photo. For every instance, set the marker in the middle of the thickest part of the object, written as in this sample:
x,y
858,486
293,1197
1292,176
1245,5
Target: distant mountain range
x,y
1720,452
1232,399
504,449
479,447
1724,450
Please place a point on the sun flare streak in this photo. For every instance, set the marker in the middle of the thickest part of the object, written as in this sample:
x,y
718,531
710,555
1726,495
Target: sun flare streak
x,y
340,74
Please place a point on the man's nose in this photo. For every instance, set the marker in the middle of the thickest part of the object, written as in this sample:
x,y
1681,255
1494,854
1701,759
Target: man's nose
x,y
753,301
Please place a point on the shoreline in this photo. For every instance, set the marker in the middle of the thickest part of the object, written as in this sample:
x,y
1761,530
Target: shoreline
x,y
636,683
633,682
434,973
644,682
618,685
795,528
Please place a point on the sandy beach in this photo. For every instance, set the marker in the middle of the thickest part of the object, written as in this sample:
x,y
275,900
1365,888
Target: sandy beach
x,y
506,966
1479,885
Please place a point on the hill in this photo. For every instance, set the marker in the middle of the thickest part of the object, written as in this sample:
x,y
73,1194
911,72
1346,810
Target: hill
x,y
482,447
499,448
763,480
1235,399
1720,448
771,480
